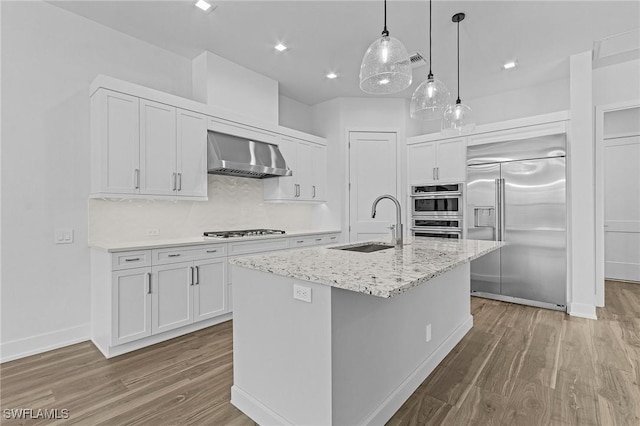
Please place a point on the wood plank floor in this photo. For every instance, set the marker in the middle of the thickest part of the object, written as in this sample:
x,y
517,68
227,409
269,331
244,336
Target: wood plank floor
x,y
517,366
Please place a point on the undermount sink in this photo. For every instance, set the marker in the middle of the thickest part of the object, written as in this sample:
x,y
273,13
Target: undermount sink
x,y
365,248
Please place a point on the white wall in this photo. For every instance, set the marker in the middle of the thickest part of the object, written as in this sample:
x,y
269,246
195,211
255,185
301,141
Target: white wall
x,y
295,115
53,56
220,82
234,203
525,102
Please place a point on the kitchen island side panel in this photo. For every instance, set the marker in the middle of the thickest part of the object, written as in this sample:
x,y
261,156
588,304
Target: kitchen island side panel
x,y
379,348
281,349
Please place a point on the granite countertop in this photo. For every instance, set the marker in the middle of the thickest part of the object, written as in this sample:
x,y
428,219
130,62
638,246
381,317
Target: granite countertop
x,y
193,241
384,273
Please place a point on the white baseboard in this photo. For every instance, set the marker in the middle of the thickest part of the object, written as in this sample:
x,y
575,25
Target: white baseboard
x,y
394,401
263,415
33,345
256,410
582,310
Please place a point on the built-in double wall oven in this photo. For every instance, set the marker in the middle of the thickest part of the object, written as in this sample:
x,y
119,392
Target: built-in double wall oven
x,y
437,210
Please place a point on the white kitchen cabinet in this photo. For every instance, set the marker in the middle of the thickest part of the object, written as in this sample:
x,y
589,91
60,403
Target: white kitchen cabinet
x,y
210,289
171,293
437,161
115,143
308,162
143,148
131,309
157,148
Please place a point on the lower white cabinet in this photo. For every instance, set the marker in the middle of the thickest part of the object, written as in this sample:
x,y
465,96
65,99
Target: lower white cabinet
x,y
210,289
131,309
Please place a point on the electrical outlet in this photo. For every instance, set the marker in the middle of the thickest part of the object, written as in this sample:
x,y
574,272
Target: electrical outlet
x,y
152,232
64,236
428,336
302,293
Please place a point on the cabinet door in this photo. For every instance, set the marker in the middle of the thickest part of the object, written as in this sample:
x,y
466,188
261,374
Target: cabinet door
x,y
304,169
452,160
119,140
421,162
171,288
157,148
191,154
131,308
319,173
210,289
286,188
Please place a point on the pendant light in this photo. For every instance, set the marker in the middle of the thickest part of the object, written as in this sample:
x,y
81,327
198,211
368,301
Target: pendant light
x,y
458,119
431,97
386,67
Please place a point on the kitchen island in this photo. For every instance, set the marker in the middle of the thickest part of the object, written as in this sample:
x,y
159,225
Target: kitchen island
x,y
328,336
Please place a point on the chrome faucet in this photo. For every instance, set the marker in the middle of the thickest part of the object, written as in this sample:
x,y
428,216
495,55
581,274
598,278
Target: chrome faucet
x,y
396,230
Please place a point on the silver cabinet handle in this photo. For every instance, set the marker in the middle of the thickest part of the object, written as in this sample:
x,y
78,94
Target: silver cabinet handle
x,y
132,259
212,251
297,190
174,255
136,177
318,239
148,282
300,241
433,173
197,275
314,191
179,181
190,275
173,179
438,173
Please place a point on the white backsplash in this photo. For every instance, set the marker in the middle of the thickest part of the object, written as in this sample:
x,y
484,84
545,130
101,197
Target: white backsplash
x,y
234,203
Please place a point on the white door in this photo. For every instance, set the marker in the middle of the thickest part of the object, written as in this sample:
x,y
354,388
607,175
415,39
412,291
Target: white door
x,y
287,185
191,153
452,160
171,296
210,289
131,310
120,133
622,208
157,148
304,164
421,163
372,172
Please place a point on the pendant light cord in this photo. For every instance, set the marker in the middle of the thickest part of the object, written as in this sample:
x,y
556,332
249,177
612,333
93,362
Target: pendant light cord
x,y
458,100
385,32
430,76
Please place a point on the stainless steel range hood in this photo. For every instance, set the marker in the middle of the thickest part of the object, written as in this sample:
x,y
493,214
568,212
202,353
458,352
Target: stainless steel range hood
x,y
236,156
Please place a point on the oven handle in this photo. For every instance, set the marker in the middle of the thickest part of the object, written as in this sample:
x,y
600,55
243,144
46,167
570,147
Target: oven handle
x,y
436,231
438,194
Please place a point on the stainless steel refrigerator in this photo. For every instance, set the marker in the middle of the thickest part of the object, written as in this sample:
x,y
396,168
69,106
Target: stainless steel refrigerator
x,y
516,193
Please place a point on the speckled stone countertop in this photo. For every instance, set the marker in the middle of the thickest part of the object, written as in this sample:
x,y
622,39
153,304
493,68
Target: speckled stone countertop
x,y
384,273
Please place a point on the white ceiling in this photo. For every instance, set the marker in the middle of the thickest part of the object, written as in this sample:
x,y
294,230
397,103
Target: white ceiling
x,y
328,36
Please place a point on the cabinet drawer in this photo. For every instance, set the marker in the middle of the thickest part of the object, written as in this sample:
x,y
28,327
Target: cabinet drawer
x,y
131,259
330,239
183,254
305,241
258,246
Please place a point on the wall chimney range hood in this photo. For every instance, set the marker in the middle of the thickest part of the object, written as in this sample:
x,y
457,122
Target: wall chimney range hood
x,y
235,156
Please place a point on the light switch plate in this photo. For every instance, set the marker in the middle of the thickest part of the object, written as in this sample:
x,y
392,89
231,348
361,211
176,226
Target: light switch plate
x,y
64,236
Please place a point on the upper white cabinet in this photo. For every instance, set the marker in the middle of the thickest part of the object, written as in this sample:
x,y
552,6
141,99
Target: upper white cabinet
x,y
437,161
308,162
146,148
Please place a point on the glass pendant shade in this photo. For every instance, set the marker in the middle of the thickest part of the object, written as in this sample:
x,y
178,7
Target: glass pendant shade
x,y
430,100
458,120
386,67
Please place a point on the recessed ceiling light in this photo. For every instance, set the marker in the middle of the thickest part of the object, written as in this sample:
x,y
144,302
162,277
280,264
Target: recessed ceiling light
x,y
203,5
332,75
280,47
509,65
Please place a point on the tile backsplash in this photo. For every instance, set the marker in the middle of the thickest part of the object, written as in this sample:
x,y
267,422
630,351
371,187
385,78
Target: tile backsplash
x,y
234,203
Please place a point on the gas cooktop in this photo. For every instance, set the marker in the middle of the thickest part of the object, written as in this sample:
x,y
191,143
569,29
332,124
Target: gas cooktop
x,y
243,233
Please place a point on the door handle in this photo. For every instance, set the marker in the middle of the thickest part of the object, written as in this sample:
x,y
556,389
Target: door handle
x,y
197,275
438,173
314,191
190,275
173,178
433,173
148,282
136,178
503,221
179,181
498,202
